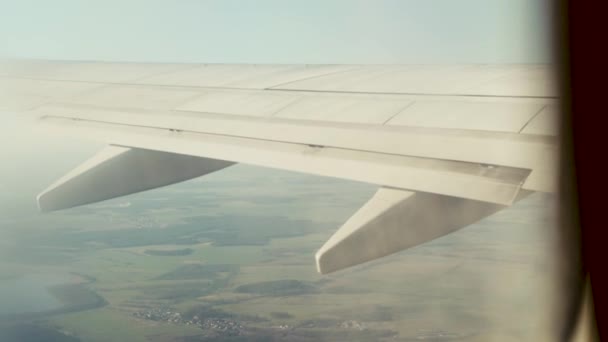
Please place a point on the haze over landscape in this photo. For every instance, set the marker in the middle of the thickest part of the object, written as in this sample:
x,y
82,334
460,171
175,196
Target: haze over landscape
x,y
230,256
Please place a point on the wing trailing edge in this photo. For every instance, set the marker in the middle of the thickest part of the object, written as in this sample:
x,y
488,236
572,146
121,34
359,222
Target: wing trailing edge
x,y
117,171
483,182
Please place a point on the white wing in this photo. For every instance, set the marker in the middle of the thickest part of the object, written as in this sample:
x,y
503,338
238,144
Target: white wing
x,y
447,145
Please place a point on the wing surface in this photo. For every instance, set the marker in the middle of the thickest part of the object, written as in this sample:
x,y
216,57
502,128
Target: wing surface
x,y
476,137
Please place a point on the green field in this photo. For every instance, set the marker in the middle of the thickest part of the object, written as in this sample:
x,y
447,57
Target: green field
x,y
231,259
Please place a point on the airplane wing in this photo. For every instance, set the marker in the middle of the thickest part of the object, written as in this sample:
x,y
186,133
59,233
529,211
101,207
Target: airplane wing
x,y
446,145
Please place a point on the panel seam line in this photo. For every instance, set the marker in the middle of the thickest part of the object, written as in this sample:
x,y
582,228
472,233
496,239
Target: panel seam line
x,y
532,118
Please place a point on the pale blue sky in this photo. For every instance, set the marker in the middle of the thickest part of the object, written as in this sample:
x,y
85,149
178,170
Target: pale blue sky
x,y
278,31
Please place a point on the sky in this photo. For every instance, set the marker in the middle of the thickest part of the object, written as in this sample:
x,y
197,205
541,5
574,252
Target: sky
x,y
278,31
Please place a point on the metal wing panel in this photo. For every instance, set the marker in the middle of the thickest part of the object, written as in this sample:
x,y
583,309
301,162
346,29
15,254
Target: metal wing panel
x,y
340,108
248,103
500,116
468,113
187,87
22,94
136,96
480,80
431,111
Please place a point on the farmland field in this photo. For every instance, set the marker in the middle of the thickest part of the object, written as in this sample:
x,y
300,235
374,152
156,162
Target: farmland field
x,y
229,257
